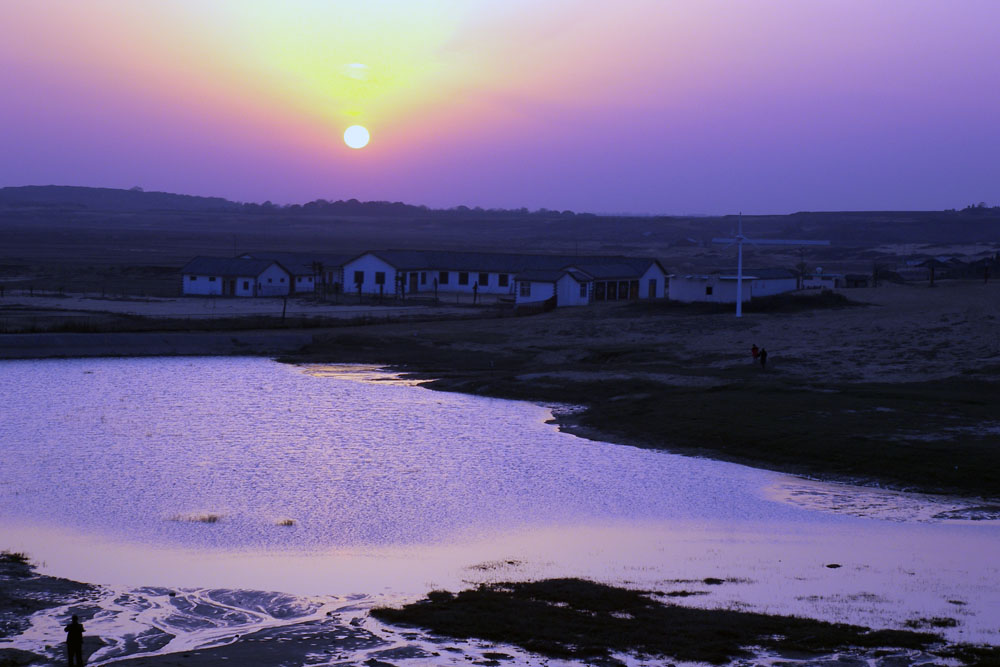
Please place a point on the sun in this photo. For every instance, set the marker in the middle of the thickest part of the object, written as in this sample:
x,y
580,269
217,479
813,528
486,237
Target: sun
x,y
356,136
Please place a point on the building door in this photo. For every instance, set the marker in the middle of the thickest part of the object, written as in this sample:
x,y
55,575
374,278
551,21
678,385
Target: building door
x,y
232,287
413,283
652,288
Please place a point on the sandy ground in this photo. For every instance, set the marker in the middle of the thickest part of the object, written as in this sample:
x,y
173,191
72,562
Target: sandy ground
x,y
908,333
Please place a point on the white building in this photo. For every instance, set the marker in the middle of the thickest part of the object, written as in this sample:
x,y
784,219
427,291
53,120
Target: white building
x,y
722,287
819,279
403,272
223,276
309,271
569,287
767,282
711,288
596,279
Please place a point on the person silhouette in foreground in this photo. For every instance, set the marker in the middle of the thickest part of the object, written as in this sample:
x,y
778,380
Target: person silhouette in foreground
x,y
763,359
74,642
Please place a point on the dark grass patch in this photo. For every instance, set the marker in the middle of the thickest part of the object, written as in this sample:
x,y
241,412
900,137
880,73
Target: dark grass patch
x,y
15,557
974,655
578,619
933,622
14,657
791,302
838,432
682,594
795,302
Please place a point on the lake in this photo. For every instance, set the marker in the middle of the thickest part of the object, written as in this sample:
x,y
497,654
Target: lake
x,y
244,473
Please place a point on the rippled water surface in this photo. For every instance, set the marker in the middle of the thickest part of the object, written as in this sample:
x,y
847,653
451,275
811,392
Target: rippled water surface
x,y
153,450
232,472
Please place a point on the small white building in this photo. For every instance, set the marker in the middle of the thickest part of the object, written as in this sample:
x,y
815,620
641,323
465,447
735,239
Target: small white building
x,y
309,271
224,276
722,287
711,288
767,282
570,287
821,280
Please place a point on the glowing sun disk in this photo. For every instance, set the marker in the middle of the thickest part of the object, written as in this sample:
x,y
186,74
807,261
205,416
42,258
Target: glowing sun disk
x,y
356,136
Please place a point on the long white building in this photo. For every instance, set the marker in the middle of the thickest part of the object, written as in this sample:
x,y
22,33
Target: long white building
x,y
526,278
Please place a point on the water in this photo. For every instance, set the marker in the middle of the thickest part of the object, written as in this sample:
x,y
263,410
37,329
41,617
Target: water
x,y
208,473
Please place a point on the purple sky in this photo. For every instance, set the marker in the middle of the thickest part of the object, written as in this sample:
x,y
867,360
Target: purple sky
x,y
694,106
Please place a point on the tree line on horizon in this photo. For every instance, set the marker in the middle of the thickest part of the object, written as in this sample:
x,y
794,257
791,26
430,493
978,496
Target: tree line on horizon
x,y
388,208
135,198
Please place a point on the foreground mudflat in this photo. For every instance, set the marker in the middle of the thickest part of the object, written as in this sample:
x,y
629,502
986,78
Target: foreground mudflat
x,y
516,623
583,620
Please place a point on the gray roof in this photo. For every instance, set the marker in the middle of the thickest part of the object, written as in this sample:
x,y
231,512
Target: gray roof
x,y
761,274
226,266
496,262
613,270
545,275
301,263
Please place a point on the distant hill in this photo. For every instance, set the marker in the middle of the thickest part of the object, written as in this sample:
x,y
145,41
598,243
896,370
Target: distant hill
x,y
109,199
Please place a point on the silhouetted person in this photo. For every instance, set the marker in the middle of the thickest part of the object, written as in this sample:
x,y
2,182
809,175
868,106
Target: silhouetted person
x,y
74,642
755,352
763,358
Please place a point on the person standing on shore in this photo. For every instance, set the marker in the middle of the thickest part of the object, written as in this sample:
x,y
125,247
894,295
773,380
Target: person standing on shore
x,y
74,642
755,352
763,359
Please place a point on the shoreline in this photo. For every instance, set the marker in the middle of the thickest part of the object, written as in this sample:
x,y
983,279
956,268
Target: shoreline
x,y
903,402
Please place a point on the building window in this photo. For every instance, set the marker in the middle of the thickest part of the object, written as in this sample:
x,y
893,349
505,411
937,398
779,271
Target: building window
x,y
423,277
282,280
298,279
525,289
359,277
269,280
442,278
380,277
193,277
583,291
246,284
503,280
211,279
463,278
708,290
484,279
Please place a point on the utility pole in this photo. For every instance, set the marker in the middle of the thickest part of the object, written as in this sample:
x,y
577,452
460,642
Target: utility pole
x,y
738,240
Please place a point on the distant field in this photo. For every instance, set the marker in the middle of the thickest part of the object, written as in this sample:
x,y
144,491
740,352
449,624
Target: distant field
x,y
116,252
